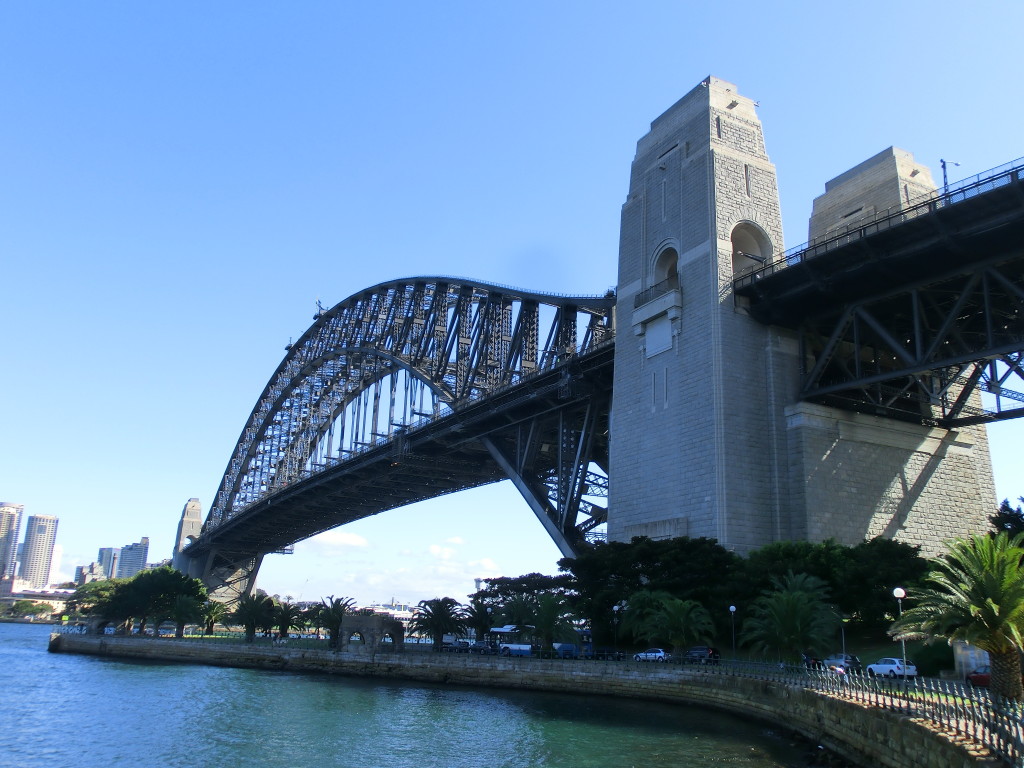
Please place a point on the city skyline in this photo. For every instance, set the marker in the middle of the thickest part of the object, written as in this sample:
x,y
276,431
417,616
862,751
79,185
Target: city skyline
x,y
174,219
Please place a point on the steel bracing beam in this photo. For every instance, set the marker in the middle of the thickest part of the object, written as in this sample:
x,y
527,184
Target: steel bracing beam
x,y
565,486
920,352
385,363
914,313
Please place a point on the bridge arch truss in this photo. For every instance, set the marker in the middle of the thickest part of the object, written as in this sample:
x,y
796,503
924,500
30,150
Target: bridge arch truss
x,y
403,359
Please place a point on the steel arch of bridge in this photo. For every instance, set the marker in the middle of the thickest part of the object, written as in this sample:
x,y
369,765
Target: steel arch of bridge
x,y
394,359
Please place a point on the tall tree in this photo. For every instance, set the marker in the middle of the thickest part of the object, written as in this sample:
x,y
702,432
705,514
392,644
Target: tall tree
x,y
253,611
608,573
790,619
479,617
332,614
288,616
184,609
213,613
437,618
1008,519
875,567
553,621
520,610
975,593
686,623
642,617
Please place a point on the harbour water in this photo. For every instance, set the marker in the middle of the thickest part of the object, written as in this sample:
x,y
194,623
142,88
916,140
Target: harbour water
x,y
71,710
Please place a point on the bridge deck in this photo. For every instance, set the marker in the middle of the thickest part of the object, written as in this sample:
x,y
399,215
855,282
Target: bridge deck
x,y
942,239
441,457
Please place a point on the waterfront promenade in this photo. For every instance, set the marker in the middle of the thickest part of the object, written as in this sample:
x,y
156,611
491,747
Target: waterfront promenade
x,y
878,726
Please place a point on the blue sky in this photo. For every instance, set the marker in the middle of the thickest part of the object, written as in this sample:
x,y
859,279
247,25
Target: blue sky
x,y
181,182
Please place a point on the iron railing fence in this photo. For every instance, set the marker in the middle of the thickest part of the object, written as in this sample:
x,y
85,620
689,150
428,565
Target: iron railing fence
x,y
999,176
952,707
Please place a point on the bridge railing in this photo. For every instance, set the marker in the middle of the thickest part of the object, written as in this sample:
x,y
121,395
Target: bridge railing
x,y
655,291
923,204
951,706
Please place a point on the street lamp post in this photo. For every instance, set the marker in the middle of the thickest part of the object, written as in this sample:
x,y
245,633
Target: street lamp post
x,y
945,181
615,622
899,593
732,620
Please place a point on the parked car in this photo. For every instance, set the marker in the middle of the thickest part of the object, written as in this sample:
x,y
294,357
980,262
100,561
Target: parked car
x,y
980,677
651,654
459,646
482,647
847,661
890,667
701,654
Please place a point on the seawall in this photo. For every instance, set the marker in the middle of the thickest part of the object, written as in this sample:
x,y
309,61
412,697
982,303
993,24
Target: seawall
x,y
865,736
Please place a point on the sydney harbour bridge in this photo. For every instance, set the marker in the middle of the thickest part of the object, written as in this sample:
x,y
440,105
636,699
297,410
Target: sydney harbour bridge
x,y
425,386
413,389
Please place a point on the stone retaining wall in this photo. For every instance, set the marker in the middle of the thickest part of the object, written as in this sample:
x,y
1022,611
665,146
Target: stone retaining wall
x,y
865,736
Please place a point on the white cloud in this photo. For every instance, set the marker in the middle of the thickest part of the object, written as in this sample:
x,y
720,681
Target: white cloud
x,y
336,538
441,553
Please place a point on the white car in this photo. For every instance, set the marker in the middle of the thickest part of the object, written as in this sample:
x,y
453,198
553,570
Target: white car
x,y
892,668
651,654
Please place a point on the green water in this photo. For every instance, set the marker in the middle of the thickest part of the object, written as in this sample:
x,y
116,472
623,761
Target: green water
x,y
68,710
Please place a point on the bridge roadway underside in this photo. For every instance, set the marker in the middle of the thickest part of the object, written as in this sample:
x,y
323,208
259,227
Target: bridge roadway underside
x,y
441,457
955,239
905,321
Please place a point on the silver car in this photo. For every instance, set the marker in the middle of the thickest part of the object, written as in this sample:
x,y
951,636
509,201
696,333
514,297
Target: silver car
x,y
890,667
651,654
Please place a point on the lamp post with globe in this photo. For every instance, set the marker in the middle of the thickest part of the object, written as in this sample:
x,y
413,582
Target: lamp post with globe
x,y
732,621
615,624
899,593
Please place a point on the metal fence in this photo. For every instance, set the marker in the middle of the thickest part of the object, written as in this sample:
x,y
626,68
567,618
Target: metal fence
x,y
953,707
1005,174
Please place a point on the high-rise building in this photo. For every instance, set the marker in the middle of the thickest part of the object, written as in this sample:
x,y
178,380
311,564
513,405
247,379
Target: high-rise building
x,y
37,550
133,558
108,558
10,526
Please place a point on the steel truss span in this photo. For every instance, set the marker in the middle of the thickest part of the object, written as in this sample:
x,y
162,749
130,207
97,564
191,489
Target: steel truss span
x,y
915,314
383,369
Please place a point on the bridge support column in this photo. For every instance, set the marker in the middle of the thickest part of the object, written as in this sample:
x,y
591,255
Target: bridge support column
x,y
698,427
535,495
708,436
228,576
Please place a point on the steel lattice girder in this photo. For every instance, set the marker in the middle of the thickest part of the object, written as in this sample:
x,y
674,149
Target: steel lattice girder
x,y
460,340
910,319
920,352
550,434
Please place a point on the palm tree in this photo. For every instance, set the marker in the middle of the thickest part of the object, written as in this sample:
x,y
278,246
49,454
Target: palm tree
x,y
642,617
287,616
184,609
975,593
479,617
332,613
213,613
685,623
437,618
791,618
552,620
520,610
253,611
